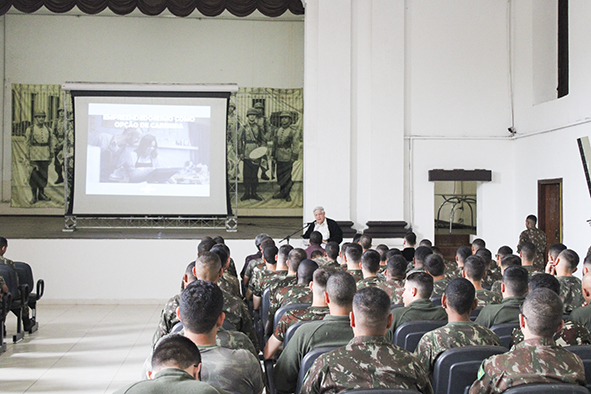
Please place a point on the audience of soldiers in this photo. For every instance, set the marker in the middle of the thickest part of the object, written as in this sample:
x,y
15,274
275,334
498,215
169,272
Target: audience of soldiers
x,y
352,299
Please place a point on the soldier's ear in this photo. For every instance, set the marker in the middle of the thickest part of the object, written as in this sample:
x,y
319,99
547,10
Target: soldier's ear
x,y
521,321
390,321
463,273
197,372
311,285
326,298
178,313
444,301
560,326
474,305
352,318
150,375
502,287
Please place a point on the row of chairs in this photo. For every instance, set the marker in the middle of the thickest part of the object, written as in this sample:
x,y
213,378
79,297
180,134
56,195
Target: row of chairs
x,y
22,292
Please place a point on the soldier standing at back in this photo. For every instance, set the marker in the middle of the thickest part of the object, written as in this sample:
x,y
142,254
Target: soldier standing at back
x,y
267,130
538,238
40,145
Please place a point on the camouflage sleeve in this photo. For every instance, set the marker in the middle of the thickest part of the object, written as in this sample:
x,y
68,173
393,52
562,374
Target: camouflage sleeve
x,y
523,238
168,319
483,384
315,377
425,352
2,283
232,268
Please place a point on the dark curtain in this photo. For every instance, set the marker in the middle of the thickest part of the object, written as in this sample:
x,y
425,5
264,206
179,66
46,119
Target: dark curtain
x,y
239,8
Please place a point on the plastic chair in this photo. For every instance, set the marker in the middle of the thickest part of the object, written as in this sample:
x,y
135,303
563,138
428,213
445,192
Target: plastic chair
x,y
584,352
457,368
436,301
265,306
291,331
289,307
409,334
554,388
504,332
307,362
381,391
25,275
475,313
18,298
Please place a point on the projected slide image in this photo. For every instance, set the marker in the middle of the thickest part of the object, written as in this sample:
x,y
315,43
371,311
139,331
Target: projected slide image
x,y
145,149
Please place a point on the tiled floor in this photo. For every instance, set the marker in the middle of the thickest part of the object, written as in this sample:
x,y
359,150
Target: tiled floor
x,y
79,349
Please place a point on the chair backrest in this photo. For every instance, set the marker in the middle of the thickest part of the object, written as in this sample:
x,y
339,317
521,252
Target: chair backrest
x,y
11,278
457,368
177,327
584,352
25,274
436,301
504,332
281,311
554,388
381,391
394,306
265,306
409,334
307,362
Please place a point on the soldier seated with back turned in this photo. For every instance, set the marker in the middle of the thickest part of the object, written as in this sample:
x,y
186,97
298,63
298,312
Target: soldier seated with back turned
x,y
418,260
395,278
506,262
370,265
333,330
435,266
583,314
537,359
417,303
368,361
176,367
513,288
458,301
352,254
572,333
475,271
570,286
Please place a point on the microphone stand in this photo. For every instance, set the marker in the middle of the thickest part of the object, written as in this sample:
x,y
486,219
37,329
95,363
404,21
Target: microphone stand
x,y
294,233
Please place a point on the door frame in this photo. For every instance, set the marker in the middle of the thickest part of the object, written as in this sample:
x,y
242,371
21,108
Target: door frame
x,y
542,204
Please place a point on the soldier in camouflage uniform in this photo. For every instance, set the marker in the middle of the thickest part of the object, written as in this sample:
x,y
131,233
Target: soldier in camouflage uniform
x,y
537,237
395,274
333,330
570,286
200,310
491,275
227,282
256,262
368,361
417,303
537,359
459,301
208,267
435,267
352,259
474,271
261,279
418,261
301,293
278,289
331,253
317,311
514,288
370,265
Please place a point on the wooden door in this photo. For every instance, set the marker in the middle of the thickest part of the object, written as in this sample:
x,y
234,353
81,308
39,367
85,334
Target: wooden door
x,y
550,209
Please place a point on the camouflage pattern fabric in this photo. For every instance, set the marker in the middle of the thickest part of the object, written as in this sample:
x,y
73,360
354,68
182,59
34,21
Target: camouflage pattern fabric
x,y
331,331
261,279
255,262
539,239
232,269
582,315
490,278
536,360
168,318
571,292
236,371
506,312
452,335
232,340
4,260
372,281
321,261
2,283
487,297
294,316
229,283
395,288
366,362
496,288
237,314
277,290
572,333
356,274
413,270
298,294
417,310
439,287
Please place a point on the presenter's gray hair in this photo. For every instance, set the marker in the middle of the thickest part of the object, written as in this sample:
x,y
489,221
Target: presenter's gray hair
x,y
318,208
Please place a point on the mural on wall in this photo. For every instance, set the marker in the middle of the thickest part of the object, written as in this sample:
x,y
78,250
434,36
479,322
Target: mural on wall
x,y
265,150
38,156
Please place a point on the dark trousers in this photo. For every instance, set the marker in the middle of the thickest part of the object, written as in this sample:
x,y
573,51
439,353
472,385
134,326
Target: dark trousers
x,y
39,174
251,176
284,169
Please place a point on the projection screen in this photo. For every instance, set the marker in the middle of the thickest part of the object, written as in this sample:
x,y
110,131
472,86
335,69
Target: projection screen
x,y
150,152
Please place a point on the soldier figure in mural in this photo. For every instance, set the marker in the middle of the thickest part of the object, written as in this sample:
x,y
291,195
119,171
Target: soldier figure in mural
x,y
285,153
251,147
267,129
59,135
40,147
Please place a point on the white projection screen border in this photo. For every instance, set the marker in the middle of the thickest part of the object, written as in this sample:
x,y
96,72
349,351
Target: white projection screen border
x,y
149,150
